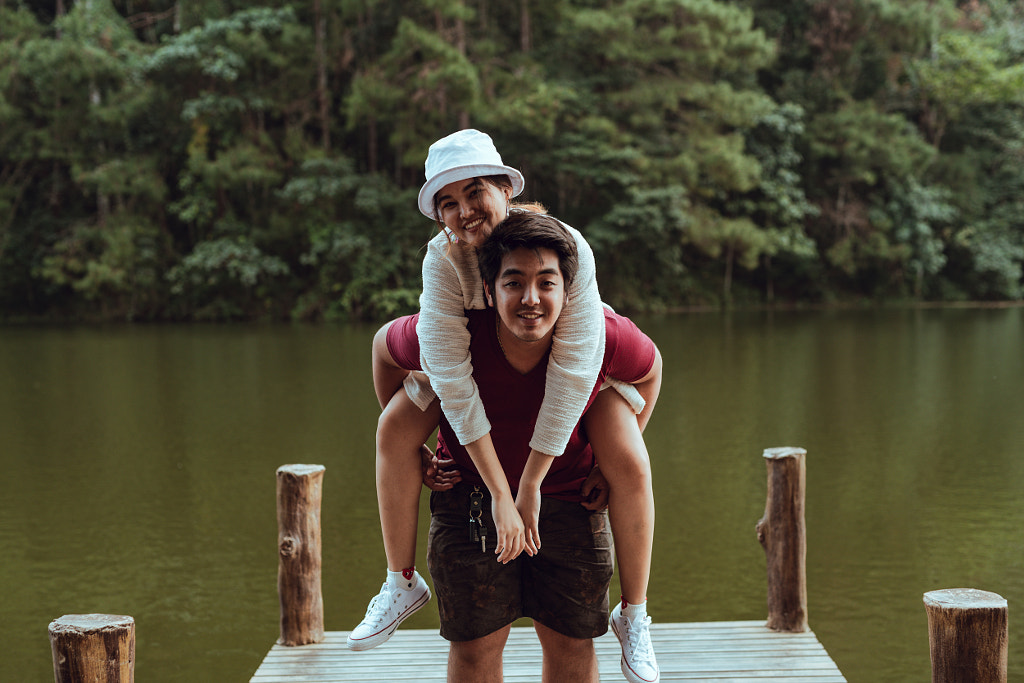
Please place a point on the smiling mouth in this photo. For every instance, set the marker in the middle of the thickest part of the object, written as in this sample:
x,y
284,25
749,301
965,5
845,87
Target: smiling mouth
x,y
473,225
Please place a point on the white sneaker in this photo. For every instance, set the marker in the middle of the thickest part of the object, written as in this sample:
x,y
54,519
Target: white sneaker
x,y
386,612
638,662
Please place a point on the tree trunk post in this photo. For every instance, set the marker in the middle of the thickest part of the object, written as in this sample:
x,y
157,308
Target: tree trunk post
x,y
299,492
783,534
93,648
967,634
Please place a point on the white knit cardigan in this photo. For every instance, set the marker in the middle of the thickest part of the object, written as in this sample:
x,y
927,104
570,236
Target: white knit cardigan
x,y
451,285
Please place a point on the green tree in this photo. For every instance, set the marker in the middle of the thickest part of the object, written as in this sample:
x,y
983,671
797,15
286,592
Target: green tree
x,y
967,92
19,167
241,94
422,87
965,70
244,90
365,262
664,111
220,159
78,102
865,160
778,205
226,279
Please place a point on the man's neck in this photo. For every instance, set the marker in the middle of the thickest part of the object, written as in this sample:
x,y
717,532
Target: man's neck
x,y
521,355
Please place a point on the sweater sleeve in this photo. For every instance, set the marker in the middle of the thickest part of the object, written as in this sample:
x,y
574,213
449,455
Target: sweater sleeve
x,y
450,286
577,353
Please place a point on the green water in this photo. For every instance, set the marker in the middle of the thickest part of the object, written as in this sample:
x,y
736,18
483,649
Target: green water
x,y
138,478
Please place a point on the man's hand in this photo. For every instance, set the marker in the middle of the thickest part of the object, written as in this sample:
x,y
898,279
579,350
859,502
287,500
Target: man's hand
x,y
595,491
528,504
439,474
509,525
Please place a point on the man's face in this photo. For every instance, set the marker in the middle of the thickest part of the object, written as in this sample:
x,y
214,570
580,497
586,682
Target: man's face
x,y
529,293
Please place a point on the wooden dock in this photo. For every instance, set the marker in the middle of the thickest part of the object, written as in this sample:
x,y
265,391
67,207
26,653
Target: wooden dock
x,y
722,652
717,652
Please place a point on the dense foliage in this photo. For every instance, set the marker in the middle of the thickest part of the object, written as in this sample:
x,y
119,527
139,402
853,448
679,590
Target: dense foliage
x,y
212,159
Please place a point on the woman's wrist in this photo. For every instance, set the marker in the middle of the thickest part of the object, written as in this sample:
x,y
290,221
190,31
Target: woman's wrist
x,y
527,488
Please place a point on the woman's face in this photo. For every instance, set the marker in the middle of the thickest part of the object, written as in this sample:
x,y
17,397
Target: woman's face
x,y
472,208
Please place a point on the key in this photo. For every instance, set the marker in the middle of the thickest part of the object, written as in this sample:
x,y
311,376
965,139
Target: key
x,y
477,530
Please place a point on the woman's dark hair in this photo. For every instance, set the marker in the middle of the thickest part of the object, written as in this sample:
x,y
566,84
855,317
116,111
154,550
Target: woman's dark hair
x,y
528,230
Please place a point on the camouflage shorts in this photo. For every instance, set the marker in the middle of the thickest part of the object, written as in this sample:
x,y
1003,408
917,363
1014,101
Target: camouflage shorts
x,y
564,587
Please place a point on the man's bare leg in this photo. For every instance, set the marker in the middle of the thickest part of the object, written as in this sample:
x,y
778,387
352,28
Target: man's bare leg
x,y
478,660
566,659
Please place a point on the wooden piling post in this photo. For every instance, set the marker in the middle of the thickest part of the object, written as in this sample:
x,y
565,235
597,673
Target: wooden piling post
x,y
299,493
783,534
967,634
93,648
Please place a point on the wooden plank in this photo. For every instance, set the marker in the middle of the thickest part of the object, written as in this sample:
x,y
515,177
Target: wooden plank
x,y
723,652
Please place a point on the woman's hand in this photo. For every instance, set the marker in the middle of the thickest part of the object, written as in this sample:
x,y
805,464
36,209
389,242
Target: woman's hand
x,y
528,498
528,504
511,539
439,474
509,525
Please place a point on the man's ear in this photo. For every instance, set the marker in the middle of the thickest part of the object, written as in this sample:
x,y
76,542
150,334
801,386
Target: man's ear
x,y
487,295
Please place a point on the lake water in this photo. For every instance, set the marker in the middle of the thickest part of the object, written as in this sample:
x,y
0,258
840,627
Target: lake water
x,y
139,478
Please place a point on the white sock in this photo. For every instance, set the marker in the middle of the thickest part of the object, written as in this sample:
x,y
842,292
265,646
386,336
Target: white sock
x,y
403,579
634,612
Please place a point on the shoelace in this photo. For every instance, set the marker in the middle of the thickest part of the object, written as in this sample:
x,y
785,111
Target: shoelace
x,y
378,608
639,639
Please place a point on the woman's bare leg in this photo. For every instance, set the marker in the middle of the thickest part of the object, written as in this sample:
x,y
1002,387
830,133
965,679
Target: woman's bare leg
x,y
387,375
621,454
401,431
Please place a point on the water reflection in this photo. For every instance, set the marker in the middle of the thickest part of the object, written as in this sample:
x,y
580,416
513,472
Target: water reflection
x,y
139,477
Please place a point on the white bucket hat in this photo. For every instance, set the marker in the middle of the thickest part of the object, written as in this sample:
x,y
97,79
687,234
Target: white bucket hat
x,y
461,156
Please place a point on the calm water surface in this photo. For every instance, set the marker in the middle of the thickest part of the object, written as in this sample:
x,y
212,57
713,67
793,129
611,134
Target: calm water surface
x,y
138,478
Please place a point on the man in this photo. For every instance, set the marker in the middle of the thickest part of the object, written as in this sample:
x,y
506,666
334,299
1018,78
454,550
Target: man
x,y
562,581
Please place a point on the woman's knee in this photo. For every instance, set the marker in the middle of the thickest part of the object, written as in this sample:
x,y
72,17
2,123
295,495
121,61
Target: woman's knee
x,y
616,438
402,422
608,413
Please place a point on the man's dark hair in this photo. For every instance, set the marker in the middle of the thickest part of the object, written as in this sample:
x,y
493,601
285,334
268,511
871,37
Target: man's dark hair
x,y
528,230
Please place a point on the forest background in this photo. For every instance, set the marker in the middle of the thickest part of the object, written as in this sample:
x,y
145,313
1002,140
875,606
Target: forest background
x,y
219,160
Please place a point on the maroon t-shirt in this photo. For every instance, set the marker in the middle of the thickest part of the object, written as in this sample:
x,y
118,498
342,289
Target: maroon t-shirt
x,y
512,400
